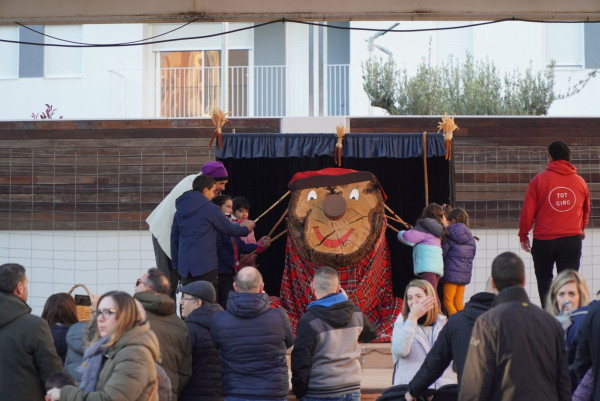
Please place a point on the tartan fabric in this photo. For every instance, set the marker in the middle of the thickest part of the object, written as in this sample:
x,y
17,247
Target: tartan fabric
x,y
367,282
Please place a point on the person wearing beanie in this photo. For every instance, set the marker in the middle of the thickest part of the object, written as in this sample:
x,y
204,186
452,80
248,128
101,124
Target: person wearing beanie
x,y
161,219
198,306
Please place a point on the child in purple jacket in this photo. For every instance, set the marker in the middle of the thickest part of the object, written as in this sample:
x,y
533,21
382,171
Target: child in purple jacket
x,y
426,239
459,252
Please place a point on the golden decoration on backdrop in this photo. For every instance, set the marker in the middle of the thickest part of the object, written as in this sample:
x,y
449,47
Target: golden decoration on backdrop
x,y
448,126
219,119
340,131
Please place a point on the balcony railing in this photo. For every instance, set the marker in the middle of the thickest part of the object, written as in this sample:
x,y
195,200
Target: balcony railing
x,y
259,91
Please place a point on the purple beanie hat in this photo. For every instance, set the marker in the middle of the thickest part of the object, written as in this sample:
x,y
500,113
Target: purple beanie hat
x,y
215,170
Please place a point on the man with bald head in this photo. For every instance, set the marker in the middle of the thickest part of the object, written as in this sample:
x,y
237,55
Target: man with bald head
x,y
252,340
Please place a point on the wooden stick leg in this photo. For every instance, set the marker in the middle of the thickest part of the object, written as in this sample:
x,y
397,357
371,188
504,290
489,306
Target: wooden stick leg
x,y
278,222
272,206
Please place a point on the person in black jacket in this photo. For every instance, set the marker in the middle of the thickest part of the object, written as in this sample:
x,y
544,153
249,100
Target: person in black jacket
x,y
252,339
588,351
452,343
27,353
517,350
198,307
327,341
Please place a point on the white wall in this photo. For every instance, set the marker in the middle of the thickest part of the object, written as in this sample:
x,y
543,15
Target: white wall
x,y
86,96
111,260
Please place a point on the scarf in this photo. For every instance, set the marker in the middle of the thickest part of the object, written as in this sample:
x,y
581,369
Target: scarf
x,y
92,365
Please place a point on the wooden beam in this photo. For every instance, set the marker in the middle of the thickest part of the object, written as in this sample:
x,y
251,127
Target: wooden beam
x,y
118,11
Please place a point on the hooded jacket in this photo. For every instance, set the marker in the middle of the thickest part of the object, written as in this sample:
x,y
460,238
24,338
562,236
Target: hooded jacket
x,y
129,371
516,352
452,344
27,353
426,240
205,382
459,252
252,340
327,341
172,335
194,234
558,201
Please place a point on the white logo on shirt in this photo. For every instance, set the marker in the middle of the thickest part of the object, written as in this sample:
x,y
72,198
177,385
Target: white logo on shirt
x,y
562,199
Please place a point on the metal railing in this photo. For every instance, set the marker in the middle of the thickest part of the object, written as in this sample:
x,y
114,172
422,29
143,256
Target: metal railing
x,y
258,91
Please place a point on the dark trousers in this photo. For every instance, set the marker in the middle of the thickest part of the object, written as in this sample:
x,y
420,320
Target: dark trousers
x,y
225,285
564,251
163,263
211,277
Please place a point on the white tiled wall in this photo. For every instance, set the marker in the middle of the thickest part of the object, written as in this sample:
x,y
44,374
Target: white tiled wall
x,y
110,260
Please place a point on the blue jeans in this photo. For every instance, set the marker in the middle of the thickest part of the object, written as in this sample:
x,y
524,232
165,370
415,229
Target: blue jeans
x,y
347,397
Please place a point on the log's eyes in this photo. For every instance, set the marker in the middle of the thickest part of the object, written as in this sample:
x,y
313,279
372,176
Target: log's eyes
x,y
312,195
354,194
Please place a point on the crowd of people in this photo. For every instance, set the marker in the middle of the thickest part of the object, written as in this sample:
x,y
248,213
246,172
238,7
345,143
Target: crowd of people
x,y
229,343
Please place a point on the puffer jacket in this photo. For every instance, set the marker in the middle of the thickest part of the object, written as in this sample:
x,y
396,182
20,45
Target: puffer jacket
x,y
205,383
75,350
172,335
128,373
426,240
459,252
410,345
252,340
27,354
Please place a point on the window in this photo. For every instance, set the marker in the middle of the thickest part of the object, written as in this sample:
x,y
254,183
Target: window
x,y
592,44
191,83
32,61
63,61
9,52
564,45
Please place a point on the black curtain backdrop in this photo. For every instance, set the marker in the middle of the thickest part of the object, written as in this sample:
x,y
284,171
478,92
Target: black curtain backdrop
x,y
264,180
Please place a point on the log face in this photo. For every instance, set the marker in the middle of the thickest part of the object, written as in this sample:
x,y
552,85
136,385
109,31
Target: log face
x,y
336,225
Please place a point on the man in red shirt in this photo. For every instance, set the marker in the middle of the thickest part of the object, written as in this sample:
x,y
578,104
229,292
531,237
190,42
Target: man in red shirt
x,y
557,204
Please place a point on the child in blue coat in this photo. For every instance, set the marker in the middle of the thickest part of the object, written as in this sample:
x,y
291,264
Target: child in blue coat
x,y
426,240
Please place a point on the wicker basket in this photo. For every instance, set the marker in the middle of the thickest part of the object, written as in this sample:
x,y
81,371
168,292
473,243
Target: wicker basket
x,y
84,312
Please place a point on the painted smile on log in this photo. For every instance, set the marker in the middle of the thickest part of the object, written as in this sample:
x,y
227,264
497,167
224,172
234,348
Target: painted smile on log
x,y
332,243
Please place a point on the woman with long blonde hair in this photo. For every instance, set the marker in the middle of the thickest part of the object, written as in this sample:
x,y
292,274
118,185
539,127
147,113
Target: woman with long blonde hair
x,y
121,362
415,331
568,299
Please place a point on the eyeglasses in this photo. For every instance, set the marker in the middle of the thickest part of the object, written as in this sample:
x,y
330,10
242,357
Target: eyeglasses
x,y
139,281
188,298
105,313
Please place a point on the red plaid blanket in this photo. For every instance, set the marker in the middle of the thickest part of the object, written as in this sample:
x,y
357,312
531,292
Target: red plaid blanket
x,y
367,282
